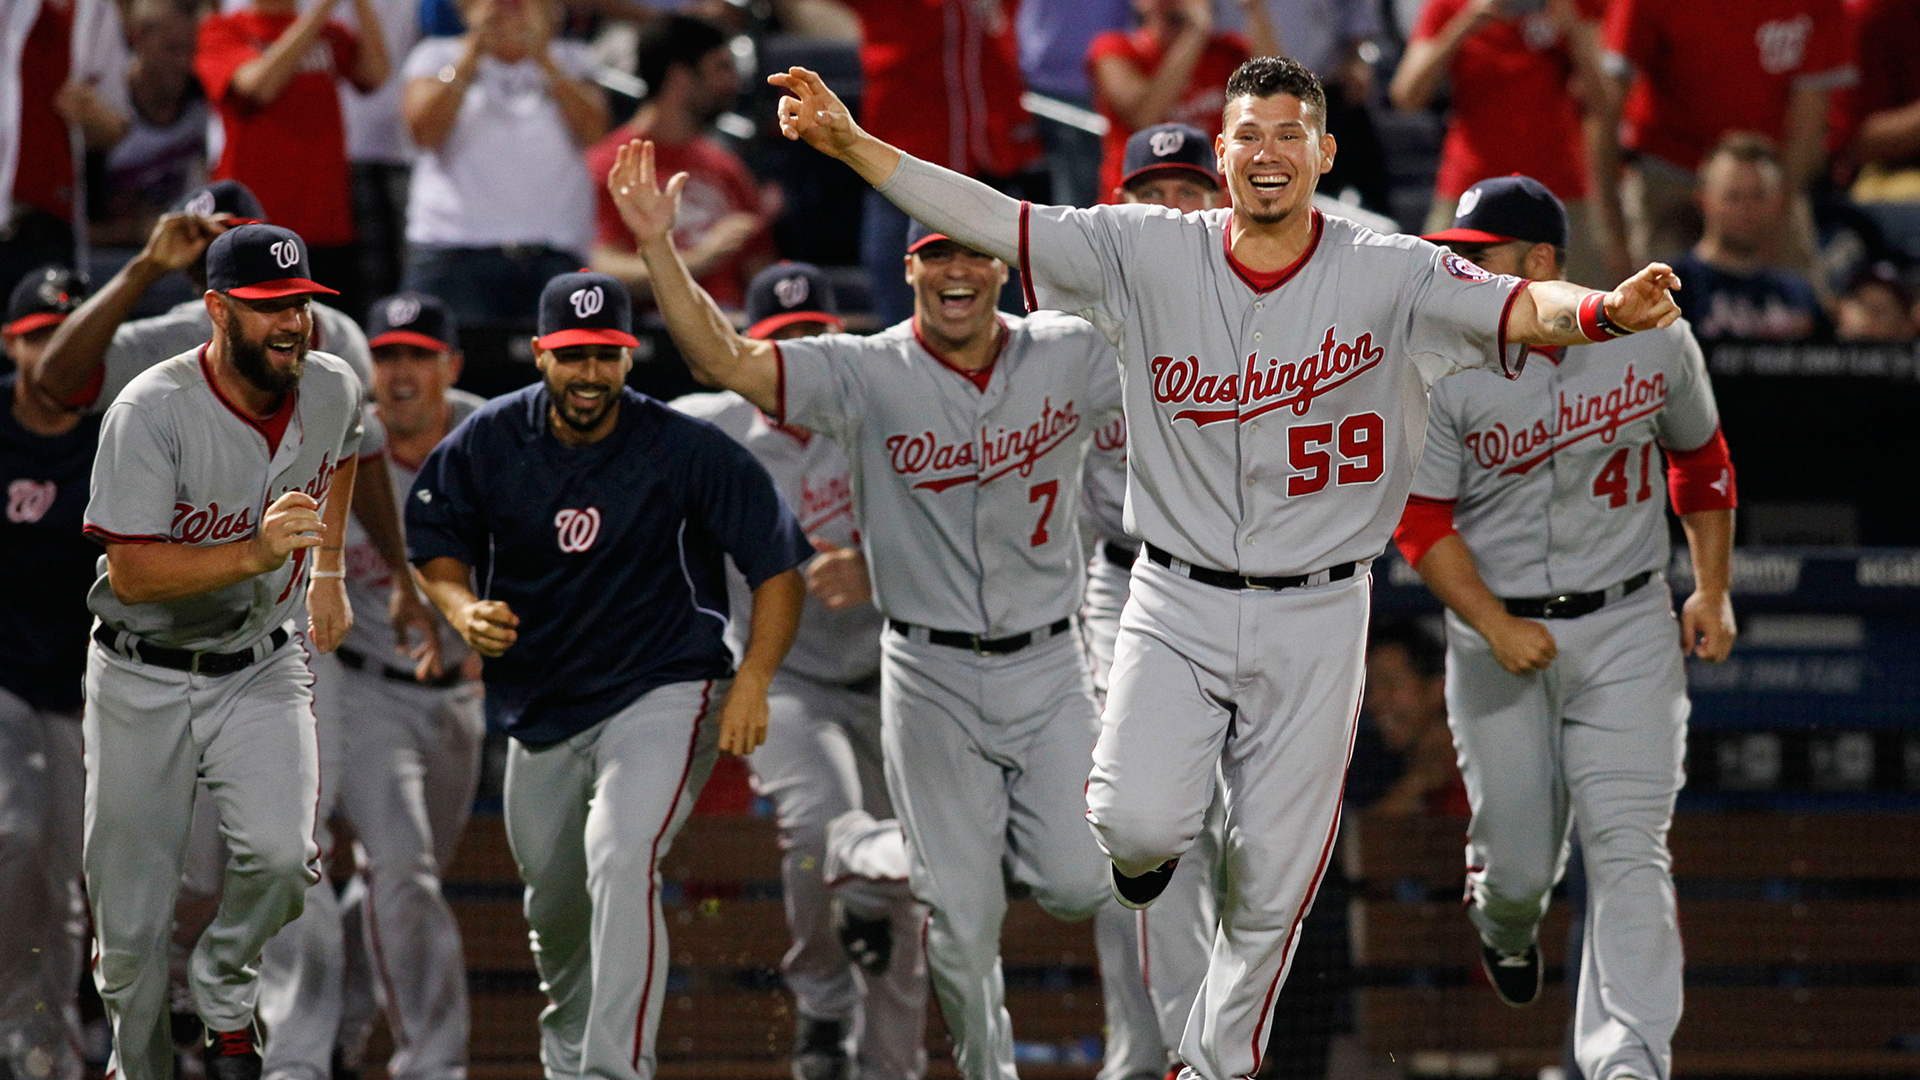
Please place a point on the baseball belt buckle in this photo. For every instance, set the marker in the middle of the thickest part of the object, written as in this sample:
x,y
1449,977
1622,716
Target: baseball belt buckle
x,y
1558,606
1257,583
979,645
193,665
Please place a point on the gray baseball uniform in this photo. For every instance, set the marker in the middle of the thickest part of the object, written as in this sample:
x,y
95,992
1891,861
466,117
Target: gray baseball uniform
x,y
179,464
1556,488
822,754
974,487
396,742
1273,425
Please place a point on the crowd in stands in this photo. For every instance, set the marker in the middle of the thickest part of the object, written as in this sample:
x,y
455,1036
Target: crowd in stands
x,y
1770,150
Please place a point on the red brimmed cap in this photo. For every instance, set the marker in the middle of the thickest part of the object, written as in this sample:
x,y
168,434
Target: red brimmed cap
x,y
585,308
787,293
1170,147
919,236
260,262
1505,209
44,298
411,318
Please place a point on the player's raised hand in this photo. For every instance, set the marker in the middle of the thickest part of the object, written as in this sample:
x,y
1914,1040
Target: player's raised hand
x,y
293,521
329,613
488,626
178,239
1522,645
1706,626
837,577
743,716
1645,300
814,114
649,210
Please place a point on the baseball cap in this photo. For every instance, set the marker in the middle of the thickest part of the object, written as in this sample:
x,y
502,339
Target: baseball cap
x,y
1504,209
919,236
44,298
224,197
585,308
787,293
411,318
1169,146
260,262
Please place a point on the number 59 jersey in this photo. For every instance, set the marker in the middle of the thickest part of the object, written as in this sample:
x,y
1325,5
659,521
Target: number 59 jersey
x,y
1555,483
1273,421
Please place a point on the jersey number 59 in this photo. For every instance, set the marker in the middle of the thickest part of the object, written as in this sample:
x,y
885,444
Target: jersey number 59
x,y
1361,447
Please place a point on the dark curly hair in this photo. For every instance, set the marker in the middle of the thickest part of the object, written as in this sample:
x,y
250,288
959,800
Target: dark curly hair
x,y
1265,76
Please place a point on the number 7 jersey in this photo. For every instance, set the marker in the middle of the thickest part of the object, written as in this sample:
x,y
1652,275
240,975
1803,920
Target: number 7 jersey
x,y
1554,480
1273,421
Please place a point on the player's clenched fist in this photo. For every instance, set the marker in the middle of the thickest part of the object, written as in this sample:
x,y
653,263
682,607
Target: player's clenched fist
x,y
293,521
1645,300
743,716
329,613
813,113
488,626
1522,645
1706,626
838,577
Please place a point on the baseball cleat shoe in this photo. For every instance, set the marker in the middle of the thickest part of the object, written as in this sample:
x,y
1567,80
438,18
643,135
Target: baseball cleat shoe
x,y
232,1055
1138,892
820,1050
868,942
1516,977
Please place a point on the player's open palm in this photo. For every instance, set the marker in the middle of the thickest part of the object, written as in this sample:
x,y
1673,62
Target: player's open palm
x,y
743,717
329,613
648,209
1645,300
1706,626
293,521
489,627
1522,646
814,114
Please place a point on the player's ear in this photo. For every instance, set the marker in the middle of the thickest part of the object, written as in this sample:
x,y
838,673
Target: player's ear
x,y
541,357
1328,147
216,307
907,268
456,363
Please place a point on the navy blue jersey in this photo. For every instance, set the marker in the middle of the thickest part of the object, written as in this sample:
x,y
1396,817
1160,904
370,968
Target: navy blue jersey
x,y
1769,304
613,555
43,610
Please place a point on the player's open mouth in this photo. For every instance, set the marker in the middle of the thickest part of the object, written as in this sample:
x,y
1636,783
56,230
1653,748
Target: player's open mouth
x,y
284,348
957,301
1268,185
586,397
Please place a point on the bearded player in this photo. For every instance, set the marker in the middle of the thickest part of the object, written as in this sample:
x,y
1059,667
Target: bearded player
x,y
1276,364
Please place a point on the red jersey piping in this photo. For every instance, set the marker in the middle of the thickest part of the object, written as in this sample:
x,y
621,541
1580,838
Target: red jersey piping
x,y
273,428
1266,283
979,378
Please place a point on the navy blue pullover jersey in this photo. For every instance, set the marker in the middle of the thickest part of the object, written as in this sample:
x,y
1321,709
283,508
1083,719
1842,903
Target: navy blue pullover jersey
x,y
44,616
613,555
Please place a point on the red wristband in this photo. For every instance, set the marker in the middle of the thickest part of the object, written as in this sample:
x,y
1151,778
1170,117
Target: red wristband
x,y
1592,314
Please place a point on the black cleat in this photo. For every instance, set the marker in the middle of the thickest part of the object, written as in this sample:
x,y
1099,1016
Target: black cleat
x,y
820,1050
1516,977
1138,892
868,942
232,1055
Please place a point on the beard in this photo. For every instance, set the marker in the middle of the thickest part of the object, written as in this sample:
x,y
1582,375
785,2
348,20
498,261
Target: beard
x,y
252,361
582,421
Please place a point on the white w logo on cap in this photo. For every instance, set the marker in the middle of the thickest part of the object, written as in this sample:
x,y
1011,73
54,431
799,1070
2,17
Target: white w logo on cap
x,y
1163,143
402,310
1468,200
201,204
286,253
587,301
791,291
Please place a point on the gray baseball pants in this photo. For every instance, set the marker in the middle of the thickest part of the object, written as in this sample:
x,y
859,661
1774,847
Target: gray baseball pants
x,y
1595,741
152,733
43,914
986,760
589,820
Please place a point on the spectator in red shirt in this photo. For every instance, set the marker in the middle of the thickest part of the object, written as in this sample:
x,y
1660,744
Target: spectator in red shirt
x,y
1886,119
722,229
1172,69
941,81
1520,84
270,73
1693,70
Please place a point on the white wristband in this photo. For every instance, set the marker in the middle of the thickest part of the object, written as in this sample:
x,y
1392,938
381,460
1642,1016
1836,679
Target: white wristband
x,y
328,573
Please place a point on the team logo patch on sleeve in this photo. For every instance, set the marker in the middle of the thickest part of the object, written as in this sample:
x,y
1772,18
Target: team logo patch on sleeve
x,y
1463,269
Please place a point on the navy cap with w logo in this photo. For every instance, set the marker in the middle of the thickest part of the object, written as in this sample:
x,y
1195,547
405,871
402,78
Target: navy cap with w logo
x,y
260,262
585,308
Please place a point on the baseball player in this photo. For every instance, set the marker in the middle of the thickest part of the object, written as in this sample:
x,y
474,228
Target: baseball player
x,y
219,473
596,522
1152,962
966,434
1276,363
822,755
46,455
410,727
1537,518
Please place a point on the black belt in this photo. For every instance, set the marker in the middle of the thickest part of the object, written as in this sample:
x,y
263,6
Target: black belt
x,y
1220,579
197,663
985,646
1119,554
360,661
1574,605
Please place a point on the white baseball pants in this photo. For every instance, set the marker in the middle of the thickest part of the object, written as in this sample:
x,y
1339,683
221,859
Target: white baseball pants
x,y
822,759
150,733
1595,741
1265,687
589,820
986,759
43,914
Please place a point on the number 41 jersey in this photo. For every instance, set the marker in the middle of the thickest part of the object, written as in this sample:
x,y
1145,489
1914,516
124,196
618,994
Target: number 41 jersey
x,y
1554,478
